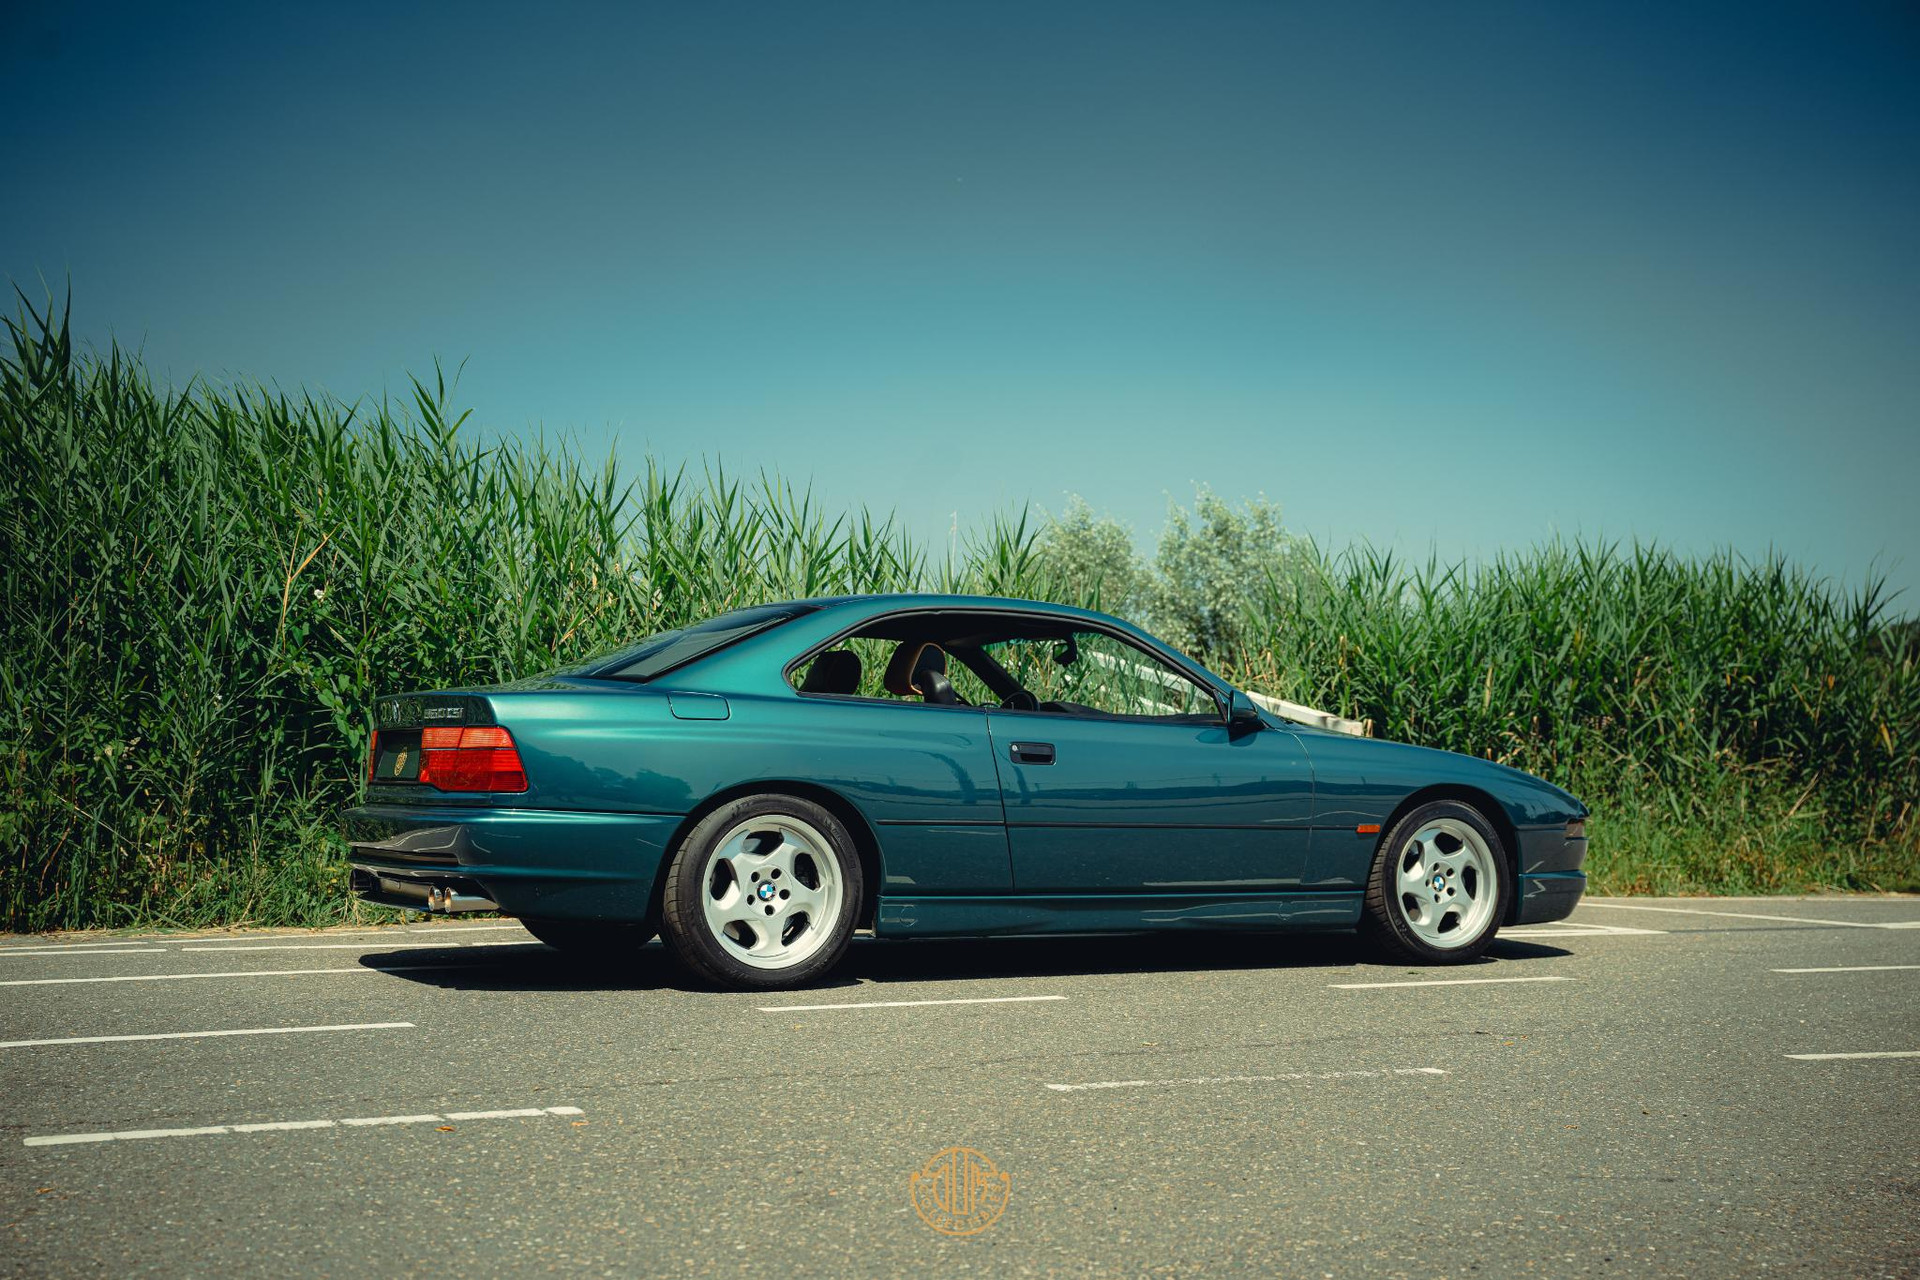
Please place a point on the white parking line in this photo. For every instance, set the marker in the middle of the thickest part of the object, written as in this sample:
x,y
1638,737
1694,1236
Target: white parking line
x,y
1852,968
1748,915
242,973
903,1004
203,1035
81,951
1280,1077
1570,930
1441,982
358,946
1838,1057
279,1126
149,939
429,1118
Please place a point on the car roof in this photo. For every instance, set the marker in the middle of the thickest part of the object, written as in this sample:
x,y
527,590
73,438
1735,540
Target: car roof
x,y
744,666
886,602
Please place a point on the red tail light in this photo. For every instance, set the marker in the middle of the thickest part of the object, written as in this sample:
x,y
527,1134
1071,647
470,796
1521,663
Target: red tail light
x,y
476,758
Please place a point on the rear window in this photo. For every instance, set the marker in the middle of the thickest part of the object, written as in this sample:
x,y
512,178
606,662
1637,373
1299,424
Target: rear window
x,y
657,655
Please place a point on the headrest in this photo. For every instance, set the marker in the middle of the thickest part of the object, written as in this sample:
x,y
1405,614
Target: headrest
x,y
909,658
835,671
935,687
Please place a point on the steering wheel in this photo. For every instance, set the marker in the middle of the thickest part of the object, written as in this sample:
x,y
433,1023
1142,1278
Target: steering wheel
x,y
1020,700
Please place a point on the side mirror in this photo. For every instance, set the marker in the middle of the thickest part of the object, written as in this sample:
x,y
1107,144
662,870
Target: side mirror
x,y
1242,715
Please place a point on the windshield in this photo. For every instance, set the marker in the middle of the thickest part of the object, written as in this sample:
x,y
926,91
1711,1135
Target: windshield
x,y
659,654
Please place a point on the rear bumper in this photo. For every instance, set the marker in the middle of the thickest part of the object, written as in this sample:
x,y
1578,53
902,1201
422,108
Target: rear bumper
x,y
531,862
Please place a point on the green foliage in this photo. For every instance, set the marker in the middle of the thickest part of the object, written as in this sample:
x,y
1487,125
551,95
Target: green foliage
x,y
1213,567
1211,570
203,590
1686,689
1093,561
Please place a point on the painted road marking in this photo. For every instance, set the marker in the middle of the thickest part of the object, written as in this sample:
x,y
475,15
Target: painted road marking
x,y
242,973
1748,915
1441,982
124,949
281,1126
1571,930
904,1004
1838,1057
1851,968
359,946
1280,1077
202,1035
149,939
429,1118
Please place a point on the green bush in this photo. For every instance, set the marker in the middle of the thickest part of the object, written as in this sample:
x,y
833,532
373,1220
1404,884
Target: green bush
x,y
202,590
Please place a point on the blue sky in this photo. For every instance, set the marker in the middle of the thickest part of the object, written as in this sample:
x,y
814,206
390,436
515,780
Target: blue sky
x,y
1448,276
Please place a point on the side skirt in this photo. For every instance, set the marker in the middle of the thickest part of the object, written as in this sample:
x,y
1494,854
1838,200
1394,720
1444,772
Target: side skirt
x,y
972,917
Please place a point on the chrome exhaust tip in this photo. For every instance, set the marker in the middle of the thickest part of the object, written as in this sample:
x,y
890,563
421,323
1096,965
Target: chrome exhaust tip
x,y
442,899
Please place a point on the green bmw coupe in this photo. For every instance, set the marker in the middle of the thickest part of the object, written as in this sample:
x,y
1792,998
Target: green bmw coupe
x,y
758,786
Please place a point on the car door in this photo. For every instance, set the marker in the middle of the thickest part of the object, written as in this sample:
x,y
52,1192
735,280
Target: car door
x,y
923,775
1130,781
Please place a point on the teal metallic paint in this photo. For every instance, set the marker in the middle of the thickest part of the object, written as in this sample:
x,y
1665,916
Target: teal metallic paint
x,y
698,706
1136,825
934,858
531,862
1201,808
958,917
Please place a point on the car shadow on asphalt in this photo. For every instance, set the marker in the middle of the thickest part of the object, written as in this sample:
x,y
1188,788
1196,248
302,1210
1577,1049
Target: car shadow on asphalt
x,y
873,963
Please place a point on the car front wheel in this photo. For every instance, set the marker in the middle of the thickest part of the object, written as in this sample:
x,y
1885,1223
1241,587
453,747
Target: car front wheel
x,y
762,893
1440,886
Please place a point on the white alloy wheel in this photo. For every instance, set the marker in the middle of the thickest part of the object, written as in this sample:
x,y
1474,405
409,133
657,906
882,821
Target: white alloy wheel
x,y
1445,883
772,891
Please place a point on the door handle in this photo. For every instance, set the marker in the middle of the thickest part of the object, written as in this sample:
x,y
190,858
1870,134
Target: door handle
x,y
1031,752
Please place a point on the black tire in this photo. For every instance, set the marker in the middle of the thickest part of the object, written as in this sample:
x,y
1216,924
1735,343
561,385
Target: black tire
x,y
601,941
1389,921
694,880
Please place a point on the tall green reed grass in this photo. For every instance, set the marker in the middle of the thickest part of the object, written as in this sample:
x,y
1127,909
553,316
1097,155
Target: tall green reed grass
x,y
202,590
1749,700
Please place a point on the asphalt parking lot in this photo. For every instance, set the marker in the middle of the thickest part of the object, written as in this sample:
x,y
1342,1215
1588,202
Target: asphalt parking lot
x,y
1671,1087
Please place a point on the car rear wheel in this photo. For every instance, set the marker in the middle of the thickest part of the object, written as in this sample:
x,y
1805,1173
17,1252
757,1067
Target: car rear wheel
x,y
762,893
597,940
1440,886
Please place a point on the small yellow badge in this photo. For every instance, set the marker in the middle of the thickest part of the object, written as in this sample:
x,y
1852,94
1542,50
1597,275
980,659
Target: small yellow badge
x,y
400,762
959,1192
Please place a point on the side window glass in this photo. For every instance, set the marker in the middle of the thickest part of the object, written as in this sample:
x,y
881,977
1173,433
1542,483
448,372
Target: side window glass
x,y
1098,674
857,667
970,687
